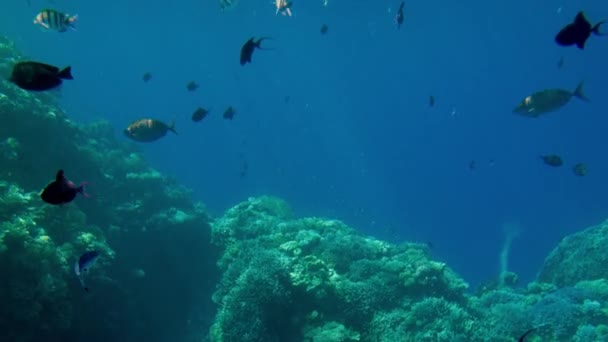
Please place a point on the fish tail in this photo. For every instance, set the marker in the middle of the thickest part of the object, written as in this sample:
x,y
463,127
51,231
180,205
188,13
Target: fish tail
x,y
82,190
596,29
66,74
172,127
258,44
578,92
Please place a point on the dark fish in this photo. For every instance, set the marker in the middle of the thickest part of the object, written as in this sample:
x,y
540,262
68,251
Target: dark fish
x,y
148,130
324,28
522,338
55,20
229,113
38,76
199,114
560,63
580,169
244,168
577,32
61,190
552,160
147,77
249,47
431,101
83,264
192,86
548,100
472,165
399,15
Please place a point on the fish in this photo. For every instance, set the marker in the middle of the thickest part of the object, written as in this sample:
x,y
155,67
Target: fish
x,y
577,32
54,20
431,101
192,86
580,169
61,190
148,130
560,63
548,100
249,47
324,28
226,5
283,7
147,77
229,113
399,15
199,114
552,160
83,265
472,165
37,76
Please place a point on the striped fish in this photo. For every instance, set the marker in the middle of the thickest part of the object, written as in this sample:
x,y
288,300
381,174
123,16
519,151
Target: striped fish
x,y
55,20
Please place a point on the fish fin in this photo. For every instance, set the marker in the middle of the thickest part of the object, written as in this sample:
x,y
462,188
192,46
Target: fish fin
x,y
581,44
66,74
578,92
258,44
522,338
59,177
596,29
81,189
580,19
172,127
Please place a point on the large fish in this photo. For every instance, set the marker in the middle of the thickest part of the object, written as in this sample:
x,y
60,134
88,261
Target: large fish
x,y
39,76
61,190
81,267
548,100
148,130
577,32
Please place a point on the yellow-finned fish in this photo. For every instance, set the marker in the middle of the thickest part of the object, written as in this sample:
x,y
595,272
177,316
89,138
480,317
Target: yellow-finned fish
x,y
55,20
148,130
548,100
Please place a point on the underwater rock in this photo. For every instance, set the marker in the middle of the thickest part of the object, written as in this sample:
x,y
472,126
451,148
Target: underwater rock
x,y
576,258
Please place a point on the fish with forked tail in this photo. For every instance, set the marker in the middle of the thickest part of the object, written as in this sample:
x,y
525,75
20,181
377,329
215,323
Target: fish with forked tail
x,y
548,100
249,47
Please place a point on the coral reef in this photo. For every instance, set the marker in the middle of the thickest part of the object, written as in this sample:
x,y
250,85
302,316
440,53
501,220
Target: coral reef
x,y
141,222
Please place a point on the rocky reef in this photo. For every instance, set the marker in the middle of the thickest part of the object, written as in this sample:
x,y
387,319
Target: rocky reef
x,y
148,230
170,272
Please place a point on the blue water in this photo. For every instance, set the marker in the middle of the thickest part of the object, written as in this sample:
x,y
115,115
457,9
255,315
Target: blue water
x,y
356,140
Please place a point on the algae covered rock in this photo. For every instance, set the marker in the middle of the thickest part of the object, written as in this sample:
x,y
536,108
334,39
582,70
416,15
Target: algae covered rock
x,y
577,257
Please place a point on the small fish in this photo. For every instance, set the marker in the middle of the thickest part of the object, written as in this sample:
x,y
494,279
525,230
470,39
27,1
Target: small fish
x,y
55,20
522,338
548,100
61,190
284,7
39,76
249,47
148,130
431,101
83,265
580,169
147,77
199,114
244,168
324,28
226,5
472,165
560,63
552,160
192,86
399,15
229,113
577,32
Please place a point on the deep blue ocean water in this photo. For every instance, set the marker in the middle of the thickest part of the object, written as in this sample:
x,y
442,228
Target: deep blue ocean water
x,y
356,139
